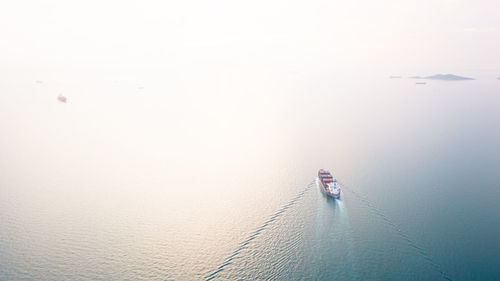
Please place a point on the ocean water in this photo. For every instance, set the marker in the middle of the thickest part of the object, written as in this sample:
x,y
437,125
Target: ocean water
x,y
154,176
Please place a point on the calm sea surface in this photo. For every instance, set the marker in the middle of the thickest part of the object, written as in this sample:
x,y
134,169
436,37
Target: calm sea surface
x,y
159,177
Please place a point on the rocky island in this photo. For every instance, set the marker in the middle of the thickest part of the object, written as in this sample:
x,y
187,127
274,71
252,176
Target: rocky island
x,y
446,77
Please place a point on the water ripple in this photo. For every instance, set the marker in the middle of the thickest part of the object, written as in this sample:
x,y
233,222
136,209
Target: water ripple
x,y
244,244
378,212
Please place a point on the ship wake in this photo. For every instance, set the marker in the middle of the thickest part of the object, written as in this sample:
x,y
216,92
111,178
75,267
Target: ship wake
x,y
245,244
379,213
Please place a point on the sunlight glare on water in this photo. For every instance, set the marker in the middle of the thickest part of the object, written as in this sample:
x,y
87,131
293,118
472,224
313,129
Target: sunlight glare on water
x,y
183,186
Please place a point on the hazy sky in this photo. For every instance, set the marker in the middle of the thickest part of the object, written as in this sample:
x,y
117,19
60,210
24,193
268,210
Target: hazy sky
x,y
420,37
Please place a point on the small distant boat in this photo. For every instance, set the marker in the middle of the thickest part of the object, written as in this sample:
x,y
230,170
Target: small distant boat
x,y
328,184
61,98
420,83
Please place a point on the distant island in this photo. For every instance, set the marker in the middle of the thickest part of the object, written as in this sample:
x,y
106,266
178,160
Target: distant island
x,y
446,77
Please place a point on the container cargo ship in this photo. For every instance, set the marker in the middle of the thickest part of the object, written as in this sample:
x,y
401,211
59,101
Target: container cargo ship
x,y
328,184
